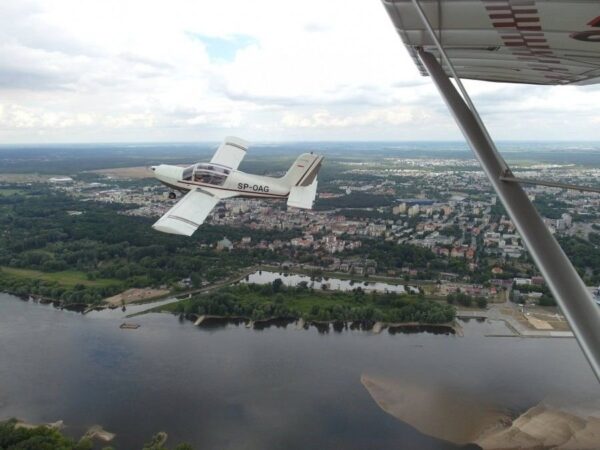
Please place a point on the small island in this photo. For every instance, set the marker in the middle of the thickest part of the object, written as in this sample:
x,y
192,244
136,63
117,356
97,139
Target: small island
x,y
266,302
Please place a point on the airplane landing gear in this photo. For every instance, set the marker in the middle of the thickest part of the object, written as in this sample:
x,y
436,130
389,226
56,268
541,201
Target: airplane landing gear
x,y
172,195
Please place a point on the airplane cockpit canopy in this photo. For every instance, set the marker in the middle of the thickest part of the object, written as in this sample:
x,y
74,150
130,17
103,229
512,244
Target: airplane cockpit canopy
x,y
207,173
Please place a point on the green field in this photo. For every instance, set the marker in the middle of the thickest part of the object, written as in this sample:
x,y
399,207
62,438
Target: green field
x,y
67,278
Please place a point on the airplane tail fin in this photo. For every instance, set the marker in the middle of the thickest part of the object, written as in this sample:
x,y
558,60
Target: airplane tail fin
x,y
304,170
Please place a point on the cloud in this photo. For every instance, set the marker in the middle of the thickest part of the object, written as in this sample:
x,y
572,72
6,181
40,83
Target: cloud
x,y
73,70
314,27
325,119
14,116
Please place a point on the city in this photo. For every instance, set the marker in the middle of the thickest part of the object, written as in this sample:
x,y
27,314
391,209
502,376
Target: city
x,y
443,206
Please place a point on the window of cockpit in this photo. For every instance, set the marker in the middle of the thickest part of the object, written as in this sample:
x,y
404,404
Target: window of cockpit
x,y
209,174
187,173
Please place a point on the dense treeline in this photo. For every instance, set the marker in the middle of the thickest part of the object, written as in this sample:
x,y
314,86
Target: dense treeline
x,y
466,300
584,255
259,302
354,200
548,206
77,294
390,255
40,438
37,232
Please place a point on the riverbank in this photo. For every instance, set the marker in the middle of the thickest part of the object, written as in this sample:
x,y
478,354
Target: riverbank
x,y
117,298
20,434
449,328
95,432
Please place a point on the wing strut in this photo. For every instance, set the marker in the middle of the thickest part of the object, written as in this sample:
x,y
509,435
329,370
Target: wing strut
x,y
565,284
573,187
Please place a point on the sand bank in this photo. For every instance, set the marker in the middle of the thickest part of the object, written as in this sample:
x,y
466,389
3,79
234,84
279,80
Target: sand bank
x,y
59,425
461,420
97,432
434,411
542,427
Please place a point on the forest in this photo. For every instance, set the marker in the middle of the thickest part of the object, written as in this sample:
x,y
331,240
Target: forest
x,y
390,255
100,252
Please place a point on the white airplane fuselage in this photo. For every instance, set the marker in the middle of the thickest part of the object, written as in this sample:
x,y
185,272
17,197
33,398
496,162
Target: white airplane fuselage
x,y
236,183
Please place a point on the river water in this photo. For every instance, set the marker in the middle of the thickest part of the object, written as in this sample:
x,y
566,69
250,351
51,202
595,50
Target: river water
x,y
231,387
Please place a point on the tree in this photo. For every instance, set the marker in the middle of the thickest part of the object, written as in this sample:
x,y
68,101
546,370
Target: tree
x,y
481,302
84,444
196,279
546,300
157,442
277,284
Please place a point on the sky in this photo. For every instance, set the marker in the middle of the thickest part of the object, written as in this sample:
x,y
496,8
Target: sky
x,y
265,70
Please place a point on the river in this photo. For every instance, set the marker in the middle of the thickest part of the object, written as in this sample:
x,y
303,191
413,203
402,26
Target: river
x,y
231,387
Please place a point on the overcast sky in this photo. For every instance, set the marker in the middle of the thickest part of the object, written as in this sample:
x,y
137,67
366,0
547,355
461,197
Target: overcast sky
x,y
265,70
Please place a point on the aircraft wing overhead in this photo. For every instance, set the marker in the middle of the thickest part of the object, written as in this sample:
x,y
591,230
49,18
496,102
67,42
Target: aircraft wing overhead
x,y
188,213
230,153
516,41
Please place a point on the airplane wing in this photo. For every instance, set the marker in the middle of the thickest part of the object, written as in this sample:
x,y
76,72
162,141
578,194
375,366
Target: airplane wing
x,y
525,41
545,42
188,213
230,153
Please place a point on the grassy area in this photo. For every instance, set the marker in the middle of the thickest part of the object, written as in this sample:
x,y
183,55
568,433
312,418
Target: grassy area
x,y
67,278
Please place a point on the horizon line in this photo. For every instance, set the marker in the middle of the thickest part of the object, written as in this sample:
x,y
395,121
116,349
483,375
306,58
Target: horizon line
x,y
275,142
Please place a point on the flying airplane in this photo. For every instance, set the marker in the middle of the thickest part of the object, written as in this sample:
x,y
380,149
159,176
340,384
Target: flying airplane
x,y
205,184
544,42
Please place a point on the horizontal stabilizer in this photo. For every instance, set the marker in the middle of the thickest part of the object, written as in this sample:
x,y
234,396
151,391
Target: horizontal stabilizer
x,y
303,196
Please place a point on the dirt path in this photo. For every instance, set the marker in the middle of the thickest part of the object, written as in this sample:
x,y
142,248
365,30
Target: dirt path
x,y
135,295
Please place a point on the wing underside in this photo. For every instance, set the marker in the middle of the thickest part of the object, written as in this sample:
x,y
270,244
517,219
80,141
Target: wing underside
x,y
518,41
230,153
188,213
